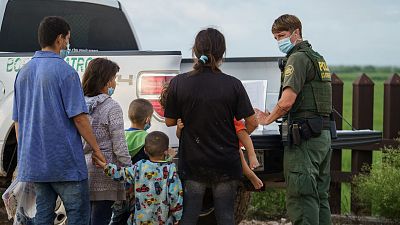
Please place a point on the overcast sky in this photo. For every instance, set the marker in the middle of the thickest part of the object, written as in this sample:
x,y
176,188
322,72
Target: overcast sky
x,y
345,32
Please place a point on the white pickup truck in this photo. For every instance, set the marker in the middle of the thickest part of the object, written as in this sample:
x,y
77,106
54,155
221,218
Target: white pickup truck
x,y
101,28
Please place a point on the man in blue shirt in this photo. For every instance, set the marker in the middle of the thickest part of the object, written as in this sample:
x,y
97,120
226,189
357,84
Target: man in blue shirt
x,y
50,117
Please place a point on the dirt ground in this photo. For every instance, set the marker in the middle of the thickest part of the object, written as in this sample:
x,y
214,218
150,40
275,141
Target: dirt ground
x,y
3,215
5,221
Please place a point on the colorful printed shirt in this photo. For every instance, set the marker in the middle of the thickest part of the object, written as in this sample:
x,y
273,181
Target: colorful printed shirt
x,y
157,189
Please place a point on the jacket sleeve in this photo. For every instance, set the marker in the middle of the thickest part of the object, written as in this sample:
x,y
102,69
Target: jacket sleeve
x,y
175,194
116,129
126,174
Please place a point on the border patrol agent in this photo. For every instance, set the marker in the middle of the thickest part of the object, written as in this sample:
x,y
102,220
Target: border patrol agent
x,y
305,104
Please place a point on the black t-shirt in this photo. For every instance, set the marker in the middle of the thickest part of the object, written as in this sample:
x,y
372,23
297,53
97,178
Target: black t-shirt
x,y
207,102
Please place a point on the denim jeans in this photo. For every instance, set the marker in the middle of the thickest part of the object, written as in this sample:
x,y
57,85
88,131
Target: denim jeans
x,y
23,219
75,196
224,194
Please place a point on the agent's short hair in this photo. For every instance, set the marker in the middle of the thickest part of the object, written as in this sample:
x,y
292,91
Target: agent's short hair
x,y
139,110
286,22
49,29
156,143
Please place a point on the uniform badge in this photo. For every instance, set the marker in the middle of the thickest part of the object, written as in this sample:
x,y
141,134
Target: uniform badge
x,y
289,69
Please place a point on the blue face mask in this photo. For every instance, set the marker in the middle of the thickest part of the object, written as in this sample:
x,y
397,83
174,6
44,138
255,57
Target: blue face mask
x,y
65,52
147,126
111,91
285,45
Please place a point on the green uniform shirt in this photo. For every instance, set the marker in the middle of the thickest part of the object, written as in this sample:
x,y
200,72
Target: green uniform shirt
x,y
307,74
298,67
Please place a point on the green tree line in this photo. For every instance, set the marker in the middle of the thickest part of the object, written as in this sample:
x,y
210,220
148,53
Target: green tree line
x,y
364,69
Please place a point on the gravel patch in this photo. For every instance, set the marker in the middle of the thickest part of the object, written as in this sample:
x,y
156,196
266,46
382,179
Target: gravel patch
x,y
257,222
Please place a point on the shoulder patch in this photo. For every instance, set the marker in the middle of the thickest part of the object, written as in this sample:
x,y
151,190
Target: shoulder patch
x,y
289,69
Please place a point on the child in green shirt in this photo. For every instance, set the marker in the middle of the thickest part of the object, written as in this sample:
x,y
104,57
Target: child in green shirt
x,y
139,113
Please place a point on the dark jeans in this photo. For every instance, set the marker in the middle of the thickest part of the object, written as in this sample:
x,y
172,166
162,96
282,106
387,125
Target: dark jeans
x,y
75,196
120,213
224,194
100,212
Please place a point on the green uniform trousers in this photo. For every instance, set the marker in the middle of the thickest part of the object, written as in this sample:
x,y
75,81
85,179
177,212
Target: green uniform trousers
x,y
307,175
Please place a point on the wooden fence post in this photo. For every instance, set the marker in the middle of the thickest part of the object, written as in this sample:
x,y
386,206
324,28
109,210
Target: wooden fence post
x,y
363,108
336,161
391,108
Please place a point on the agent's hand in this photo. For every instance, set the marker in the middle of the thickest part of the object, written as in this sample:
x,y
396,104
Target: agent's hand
x,y
261,116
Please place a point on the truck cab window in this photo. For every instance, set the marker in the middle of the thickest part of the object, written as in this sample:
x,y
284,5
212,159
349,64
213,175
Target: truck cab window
x,y
93,26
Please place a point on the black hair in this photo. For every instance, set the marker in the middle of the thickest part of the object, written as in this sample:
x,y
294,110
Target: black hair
x,y
50,28
210,43
156,143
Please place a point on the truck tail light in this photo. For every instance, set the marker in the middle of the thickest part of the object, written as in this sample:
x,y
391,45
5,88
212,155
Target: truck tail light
x,y
149,86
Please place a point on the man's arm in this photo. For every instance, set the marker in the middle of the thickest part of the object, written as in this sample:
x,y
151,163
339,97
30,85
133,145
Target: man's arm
x,y
85,130
285,103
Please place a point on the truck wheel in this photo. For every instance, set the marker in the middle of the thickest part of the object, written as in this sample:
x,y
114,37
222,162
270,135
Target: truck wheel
x,y
242,201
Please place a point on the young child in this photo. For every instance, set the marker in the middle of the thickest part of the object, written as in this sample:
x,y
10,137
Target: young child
x,y
139,113
243,137
157,187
